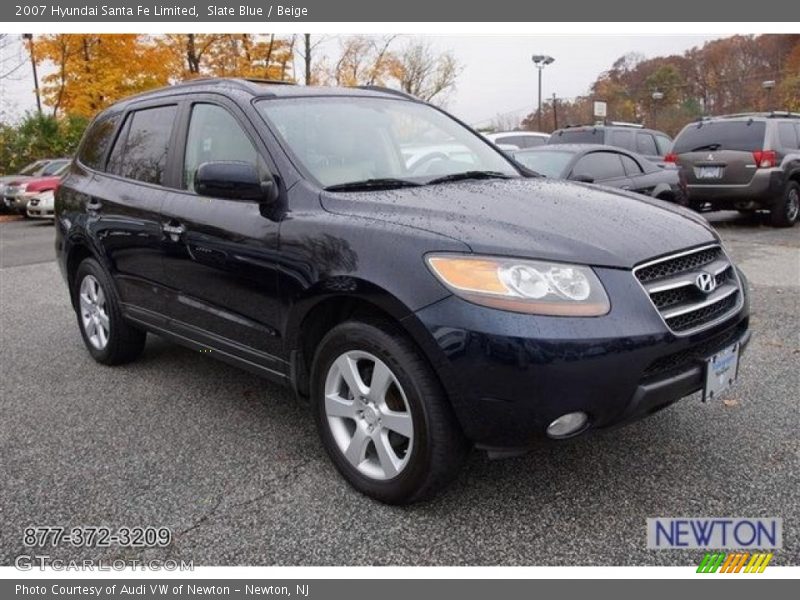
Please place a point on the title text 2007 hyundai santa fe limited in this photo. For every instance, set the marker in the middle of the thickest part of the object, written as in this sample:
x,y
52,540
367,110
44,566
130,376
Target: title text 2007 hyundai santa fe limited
x,y
421,290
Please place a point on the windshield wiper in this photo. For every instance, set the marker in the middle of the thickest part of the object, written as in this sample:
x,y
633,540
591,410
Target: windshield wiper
x,y
711,147
469,175
386,183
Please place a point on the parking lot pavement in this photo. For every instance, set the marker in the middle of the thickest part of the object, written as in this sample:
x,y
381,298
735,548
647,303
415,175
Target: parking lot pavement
x,y
232,464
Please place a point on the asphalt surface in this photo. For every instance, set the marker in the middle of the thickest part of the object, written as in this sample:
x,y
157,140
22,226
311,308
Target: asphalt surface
x,y
233,465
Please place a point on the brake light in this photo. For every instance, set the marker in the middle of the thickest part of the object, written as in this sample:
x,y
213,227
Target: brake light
x,y
765,158
671,158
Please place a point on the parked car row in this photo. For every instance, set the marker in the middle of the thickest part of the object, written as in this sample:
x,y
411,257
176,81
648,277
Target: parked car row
x,y
33,187
745,162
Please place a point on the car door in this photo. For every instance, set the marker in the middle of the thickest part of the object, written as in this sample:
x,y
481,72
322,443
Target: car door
x,y
602,167
640,181
220,254
124,198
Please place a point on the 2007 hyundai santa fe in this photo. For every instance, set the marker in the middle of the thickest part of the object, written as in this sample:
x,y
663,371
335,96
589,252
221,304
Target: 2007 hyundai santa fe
x,y
425,293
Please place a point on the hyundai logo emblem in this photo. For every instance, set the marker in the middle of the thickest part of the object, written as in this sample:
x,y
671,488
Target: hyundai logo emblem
x,y
706,282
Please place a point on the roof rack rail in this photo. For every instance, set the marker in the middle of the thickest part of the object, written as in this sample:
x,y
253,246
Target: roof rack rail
x,y
269,81
773,114
387,90
625,124
240,82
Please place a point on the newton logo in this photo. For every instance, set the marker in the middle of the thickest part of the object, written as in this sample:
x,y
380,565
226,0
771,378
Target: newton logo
x,y
739,534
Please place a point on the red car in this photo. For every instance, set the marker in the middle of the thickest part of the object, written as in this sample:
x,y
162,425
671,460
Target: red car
x,y
18,193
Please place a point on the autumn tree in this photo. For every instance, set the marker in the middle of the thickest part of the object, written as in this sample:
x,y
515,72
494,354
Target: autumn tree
x,y
363,60
424,73
93,71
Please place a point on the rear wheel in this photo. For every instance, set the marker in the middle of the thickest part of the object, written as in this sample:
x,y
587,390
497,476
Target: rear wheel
x,y
107,336
382,415
787,209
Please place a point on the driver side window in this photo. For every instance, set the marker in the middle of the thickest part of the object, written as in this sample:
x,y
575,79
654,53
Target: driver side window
x,y
599,166
214,135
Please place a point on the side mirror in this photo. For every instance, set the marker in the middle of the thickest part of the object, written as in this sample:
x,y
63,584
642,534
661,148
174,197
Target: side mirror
x,y
582,178
234,180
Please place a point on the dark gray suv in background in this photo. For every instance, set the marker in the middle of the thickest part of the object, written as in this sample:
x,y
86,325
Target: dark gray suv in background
x,y
653,144
746,162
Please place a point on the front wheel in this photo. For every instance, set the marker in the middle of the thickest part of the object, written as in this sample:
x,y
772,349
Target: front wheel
x,y
382,415
786,210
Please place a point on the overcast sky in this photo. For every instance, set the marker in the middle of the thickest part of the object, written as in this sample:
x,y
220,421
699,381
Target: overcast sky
x,y
497,77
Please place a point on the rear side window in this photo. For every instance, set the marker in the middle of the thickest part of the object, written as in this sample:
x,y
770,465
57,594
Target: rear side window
x,y
746,136
97,141
214,135
599,166
521,141
663,143
645,144
577,136
631,166
621,139
141,149
788,135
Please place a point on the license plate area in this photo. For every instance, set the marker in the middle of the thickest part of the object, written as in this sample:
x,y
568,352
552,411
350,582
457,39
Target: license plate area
x,y
708,172
722,369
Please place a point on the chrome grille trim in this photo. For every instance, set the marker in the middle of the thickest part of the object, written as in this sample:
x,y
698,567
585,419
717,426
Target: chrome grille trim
x,y
669,282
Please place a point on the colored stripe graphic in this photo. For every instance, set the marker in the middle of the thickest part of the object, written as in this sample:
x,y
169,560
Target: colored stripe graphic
x,y
734,562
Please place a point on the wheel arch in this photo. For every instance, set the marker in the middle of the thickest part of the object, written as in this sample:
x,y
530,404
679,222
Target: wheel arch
x,y
78,249
319,310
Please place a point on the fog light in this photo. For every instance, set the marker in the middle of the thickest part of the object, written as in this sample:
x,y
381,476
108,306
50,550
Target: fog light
x,y
567,425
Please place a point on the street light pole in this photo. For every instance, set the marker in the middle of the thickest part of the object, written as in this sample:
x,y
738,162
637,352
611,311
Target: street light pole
x,y
657,97
541,61
28,37
768,85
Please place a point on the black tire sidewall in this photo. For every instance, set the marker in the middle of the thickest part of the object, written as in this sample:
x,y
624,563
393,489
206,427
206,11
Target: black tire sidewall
x,y
366,337
90,266
779,214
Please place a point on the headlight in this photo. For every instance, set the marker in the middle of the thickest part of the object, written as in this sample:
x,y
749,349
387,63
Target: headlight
x,y
526,286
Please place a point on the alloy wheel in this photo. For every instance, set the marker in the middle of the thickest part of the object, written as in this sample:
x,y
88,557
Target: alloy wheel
x,y
94,315
369,415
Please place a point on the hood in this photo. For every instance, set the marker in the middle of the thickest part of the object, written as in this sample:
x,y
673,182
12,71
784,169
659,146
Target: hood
x,y
537,218
14,179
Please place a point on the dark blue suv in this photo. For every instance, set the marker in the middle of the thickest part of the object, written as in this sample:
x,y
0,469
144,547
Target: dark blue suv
x,y
418,288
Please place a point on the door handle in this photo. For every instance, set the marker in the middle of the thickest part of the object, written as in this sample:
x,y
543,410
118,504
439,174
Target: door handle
x,y
174,231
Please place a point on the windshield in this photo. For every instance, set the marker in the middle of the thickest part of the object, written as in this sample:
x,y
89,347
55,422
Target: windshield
x,y
577,136
342,140
54,168
32,168
550,163
746,136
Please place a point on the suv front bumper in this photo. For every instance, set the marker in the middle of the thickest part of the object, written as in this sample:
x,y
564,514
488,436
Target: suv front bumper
x,y
510,375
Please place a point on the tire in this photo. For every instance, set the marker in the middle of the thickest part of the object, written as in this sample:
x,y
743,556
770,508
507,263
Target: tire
x,y
786,210
96,301
430,450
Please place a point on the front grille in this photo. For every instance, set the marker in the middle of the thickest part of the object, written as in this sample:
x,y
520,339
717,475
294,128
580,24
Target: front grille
x,y
680,361
679,264
672,284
